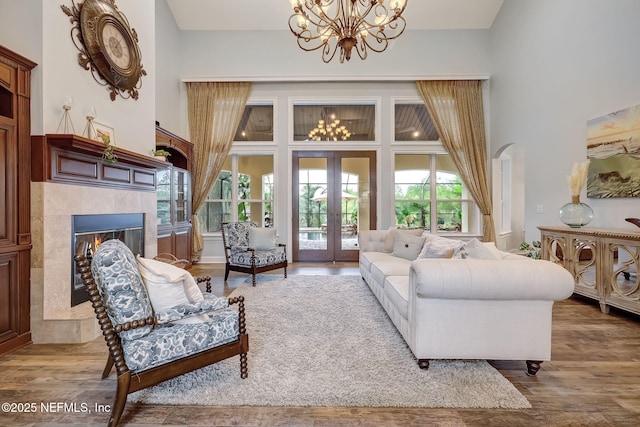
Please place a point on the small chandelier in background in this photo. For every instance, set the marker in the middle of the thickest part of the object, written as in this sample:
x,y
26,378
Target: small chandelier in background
x,y
346,24
329,132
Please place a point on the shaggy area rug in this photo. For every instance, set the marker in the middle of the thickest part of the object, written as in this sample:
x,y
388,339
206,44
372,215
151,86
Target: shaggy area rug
x,y
325,341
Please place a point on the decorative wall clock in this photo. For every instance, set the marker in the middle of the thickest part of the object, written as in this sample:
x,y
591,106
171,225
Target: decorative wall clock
x,y
108,46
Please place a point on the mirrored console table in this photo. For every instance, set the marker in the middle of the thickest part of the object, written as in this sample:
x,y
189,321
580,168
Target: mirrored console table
x,y
604,263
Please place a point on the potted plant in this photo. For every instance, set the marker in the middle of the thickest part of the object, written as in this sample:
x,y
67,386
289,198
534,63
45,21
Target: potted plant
x,y
533,250
160,154
108,154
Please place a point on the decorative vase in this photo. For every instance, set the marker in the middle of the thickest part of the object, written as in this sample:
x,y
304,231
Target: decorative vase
x,y
576,214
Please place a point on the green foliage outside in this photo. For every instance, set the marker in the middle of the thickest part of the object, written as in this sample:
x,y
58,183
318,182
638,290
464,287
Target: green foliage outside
x,y
413,209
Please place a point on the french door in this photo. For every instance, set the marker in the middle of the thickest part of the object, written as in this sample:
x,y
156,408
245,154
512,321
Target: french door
x,y
334,196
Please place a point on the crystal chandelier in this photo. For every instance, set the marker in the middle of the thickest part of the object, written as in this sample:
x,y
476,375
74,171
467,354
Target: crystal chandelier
x,y
346,24
329,132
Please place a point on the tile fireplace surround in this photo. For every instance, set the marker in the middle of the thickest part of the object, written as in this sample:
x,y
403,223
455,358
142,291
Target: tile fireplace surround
x,y
53,320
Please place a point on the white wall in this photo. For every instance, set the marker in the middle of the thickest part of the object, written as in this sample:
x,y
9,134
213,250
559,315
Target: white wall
x,y
168,84
39,30
555,65
276,55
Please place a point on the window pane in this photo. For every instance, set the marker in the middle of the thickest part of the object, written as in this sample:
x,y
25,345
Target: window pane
x,y
213,214
224,184
412,176
256,124
164,196
449,216
413,123
339,122
457,216
413,215
255,180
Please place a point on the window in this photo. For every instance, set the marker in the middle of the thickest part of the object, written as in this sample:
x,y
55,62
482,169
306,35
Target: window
x,y
334,122
416,195
505,193
256,123
243,191
413,123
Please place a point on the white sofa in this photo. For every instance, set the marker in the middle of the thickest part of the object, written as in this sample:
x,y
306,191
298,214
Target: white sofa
x,y
445,308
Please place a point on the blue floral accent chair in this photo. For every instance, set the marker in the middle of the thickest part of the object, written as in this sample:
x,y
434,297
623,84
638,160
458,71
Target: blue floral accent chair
x,y
148,347
250,249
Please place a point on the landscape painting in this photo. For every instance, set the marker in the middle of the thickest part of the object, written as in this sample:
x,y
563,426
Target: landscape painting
x,y
613,147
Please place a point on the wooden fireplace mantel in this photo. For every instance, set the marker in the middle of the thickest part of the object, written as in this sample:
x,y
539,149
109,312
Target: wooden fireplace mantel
x,y
72,159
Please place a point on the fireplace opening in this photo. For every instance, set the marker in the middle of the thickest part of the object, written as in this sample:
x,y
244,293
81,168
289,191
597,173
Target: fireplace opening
x,y
95,229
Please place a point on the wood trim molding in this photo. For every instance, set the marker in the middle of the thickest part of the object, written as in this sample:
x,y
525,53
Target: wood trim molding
x,y
72,159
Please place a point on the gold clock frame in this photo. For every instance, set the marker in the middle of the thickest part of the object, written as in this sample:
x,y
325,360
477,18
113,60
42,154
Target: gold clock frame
x,y
89,19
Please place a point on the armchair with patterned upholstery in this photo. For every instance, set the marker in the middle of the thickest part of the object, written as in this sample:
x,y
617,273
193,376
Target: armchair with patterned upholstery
x,y
253,250
148,345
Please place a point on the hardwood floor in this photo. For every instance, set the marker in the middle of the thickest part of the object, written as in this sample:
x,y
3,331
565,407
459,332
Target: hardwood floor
x,y
593,380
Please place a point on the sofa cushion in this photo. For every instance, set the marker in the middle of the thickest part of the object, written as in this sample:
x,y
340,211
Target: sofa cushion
x,y
474,248
171,342
262,258
397,290
391,237
407,245
369,258
380,270
439,247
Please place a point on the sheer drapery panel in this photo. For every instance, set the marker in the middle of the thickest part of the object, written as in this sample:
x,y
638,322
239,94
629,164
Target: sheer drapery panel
x,y
455,107
215,110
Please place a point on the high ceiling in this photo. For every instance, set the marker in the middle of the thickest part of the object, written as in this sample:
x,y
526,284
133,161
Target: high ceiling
x,y
212,15
274,14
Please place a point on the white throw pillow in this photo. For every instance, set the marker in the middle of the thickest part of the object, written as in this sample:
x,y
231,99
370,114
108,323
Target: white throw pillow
x,y
439,247
169,286
474,249
407,245
391,235
262,239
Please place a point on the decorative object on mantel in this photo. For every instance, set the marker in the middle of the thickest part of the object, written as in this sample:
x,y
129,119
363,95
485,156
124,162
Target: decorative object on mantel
x,y
109,155
89,130
577,214
65,121
108,46
160,154
346,24
634,221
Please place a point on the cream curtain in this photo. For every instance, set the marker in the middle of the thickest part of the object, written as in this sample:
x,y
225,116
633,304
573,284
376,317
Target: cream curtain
x,y
455,106
215,110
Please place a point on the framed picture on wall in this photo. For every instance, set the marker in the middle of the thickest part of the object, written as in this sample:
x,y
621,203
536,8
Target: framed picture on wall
x,y
613,147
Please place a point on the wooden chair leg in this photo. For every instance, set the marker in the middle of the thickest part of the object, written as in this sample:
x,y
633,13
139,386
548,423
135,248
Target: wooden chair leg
x,y
226,272
285,272
532,367
122,390
253,279
108,366
244,371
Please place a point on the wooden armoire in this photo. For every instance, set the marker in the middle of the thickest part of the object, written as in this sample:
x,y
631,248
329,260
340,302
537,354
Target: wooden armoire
x,y
15,201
